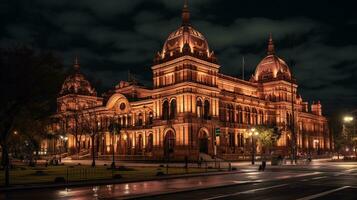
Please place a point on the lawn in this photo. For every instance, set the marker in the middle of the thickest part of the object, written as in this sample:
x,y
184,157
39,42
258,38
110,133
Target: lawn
x,y
23,175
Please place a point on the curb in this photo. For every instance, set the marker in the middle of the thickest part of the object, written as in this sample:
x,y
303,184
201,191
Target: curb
x,y
105,182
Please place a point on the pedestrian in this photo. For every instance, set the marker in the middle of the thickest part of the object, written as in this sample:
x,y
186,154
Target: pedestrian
x,y
264,164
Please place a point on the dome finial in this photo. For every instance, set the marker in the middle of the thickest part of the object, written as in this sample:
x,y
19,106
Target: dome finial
x,y
185,13
76,64
271,48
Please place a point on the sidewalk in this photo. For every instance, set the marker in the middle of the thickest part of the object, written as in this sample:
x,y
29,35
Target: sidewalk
x,y
112,181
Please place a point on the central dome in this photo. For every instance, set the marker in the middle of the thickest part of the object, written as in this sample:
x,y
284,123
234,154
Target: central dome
x,y
186,40
186,34
272,67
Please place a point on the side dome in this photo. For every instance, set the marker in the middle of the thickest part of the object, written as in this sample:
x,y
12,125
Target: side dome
x,y
76,83
186,40
272,67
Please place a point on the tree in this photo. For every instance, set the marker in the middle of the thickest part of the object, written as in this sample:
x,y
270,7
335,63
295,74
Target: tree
x,y
73,123
29,81
92,125
268,136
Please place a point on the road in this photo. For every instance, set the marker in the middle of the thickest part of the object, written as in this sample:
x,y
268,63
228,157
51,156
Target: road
x,y
321,180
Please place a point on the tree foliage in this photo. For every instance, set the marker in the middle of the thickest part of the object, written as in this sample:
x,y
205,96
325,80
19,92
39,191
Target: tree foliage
x,y
29,82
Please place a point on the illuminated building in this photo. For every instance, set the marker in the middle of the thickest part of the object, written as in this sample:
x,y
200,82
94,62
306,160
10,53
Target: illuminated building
x,y
189,100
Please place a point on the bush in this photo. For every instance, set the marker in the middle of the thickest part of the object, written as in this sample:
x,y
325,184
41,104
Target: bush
x,y
123,168
39,173
60,179
160,173
117,176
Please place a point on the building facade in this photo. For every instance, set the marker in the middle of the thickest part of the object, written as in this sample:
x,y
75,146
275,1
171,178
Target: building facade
x,y
189,103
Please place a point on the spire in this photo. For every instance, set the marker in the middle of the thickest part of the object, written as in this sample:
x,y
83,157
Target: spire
x,y
76,64
271,49
185,14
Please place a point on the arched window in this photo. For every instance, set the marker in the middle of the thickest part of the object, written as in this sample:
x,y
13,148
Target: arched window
x,y
231,140
247,114
230,113
206,110
129,121
150,142
139,144
173,109
120,121
239,115
240,140
261,117
255,116
151,118
165,110
124,121
199,108
140,119
222,112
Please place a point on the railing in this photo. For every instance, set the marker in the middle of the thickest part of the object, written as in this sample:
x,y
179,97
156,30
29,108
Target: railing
x,y
125,157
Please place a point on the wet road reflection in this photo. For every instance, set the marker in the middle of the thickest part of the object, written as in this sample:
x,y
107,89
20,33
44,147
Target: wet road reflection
x,y
168,185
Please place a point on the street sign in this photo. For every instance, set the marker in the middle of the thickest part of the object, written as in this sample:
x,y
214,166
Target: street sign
x,y
218,132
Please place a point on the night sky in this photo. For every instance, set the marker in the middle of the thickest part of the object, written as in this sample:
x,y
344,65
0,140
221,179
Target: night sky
x,y
317,38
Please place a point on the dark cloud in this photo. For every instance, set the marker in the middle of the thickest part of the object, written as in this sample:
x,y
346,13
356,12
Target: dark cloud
x,y
114,36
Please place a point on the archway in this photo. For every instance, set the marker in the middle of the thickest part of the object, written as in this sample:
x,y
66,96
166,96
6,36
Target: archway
x,y
169,143
203,142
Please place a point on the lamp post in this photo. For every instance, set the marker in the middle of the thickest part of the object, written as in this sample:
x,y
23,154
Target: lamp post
x,y
63,140
253,133
349,136
114,128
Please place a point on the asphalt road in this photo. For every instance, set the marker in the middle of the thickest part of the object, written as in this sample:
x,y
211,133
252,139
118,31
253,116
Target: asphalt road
x,y
332,184
320,180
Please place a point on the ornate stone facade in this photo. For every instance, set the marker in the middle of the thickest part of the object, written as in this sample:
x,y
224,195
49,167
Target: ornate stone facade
x,y
189,100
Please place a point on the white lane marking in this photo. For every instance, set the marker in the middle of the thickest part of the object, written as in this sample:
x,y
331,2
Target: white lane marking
x,y
320,177
323,193
245,192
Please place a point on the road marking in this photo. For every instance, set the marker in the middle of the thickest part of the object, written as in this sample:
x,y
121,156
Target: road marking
x,y
245,192
320,177
323,193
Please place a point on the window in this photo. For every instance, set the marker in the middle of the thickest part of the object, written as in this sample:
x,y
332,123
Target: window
x,y
239,115
165,110
199,108
122,106
140,119
231,140
173,109
151,118
150,143
230,113
206,110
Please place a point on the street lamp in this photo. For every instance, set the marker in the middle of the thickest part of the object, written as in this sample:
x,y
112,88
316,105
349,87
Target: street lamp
x,y
253,133
348,119
63,141
114,128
